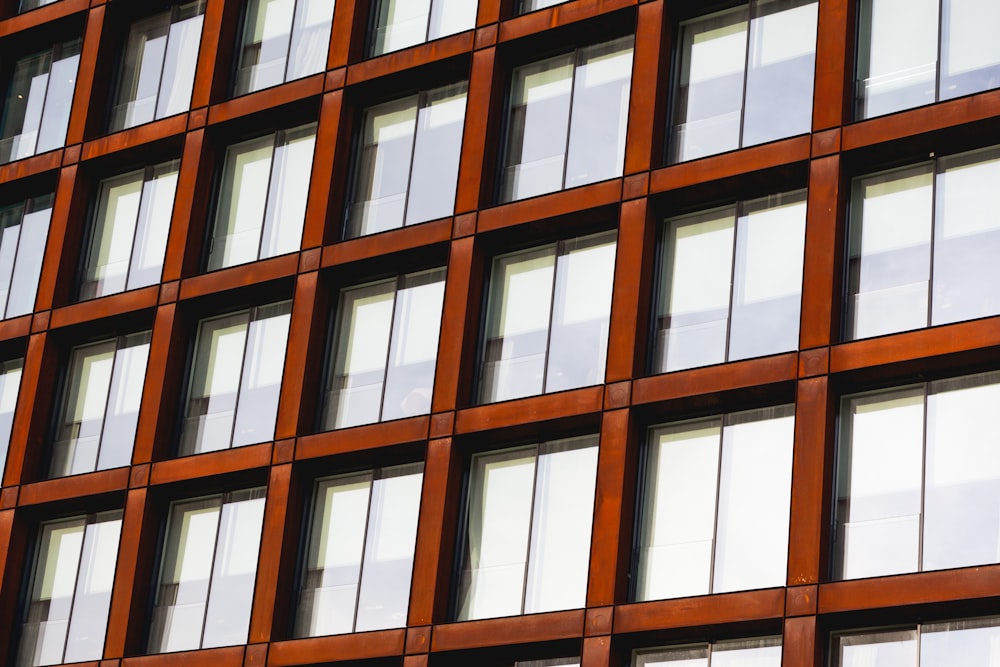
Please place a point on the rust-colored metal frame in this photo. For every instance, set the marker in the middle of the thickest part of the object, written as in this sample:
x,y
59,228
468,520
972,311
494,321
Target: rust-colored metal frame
x,y
604,633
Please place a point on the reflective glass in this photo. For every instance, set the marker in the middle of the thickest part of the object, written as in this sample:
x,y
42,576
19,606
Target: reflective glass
x,y
403,23
283,40
548,314
130,231
36,110
207,574
10,383
567,120
764,652
158,69
532,5
528,532
715,512
732,283
233,393
24,229
33,4
746,77
262,200
360,557
100,412
885,649
70,591
385,348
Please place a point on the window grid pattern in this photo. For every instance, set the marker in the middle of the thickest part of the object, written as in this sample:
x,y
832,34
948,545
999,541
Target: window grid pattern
x,y
815,374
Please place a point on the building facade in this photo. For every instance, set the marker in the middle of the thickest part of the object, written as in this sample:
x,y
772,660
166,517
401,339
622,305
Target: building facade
x,y
429,332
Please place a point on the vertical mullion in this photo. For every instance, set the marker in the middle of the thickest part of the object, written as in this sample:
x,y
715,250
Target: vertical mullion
x,y
147,175
45,99
278,137
76,586
288,48
552,307
107,398
211,570
531,529
13,266
929,320
569,121
923,483
239,382
388,348
413,151
938,63
166,49
364,548
746,69
715,518
737,211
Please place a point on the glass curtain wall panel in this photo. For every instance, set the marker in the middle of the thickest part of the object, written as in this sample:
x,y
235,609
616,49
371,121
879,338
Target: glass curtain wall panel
x,y
731,283
384,350
763,652
130,229
10,383
973,641
547,322
746,77
262,199
407,165
525,6
27,5
360,558
919,478
403,23
715,505
283,40
36,111
69,594
567,120
916,52
232,398
158,67
527,536
207,573
24,230
923,245
100,406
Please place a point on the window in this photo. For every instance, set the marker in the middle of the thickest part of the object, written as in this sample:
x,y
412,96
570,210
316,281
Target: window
x,y
100,406
262,203
731,283
403,23
24,229
942,50
130,231
548,315
233,392
70,590
974,641
715,505
746,77
36,112
384,350
567,120
407,168
205,588
158,71
552,662
27,5
765,652
526,6
919,478
360,559
527,533
283,40
923,245
10,383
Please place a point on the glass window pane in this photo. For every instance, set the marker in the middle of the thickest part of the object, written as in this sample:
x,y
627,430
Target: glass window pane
x,y
970,56
179,62
242,203
362,348
603,79
694,306
971,642
310,38
675,657
107,266
581,314
336,548
710,94
266,37
890,248
880,496
141,70
451,16
415,329
227,619
78,437
678,516
436,151
499,524
262,369
885,649
755,484
288,192
23,107
539,124
560,526
897,65
30,238
153,226
518,325
59,97
747,653
10,383
401,23
966,238
85,638
962,474
124,397
767,289
781,60
392,534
